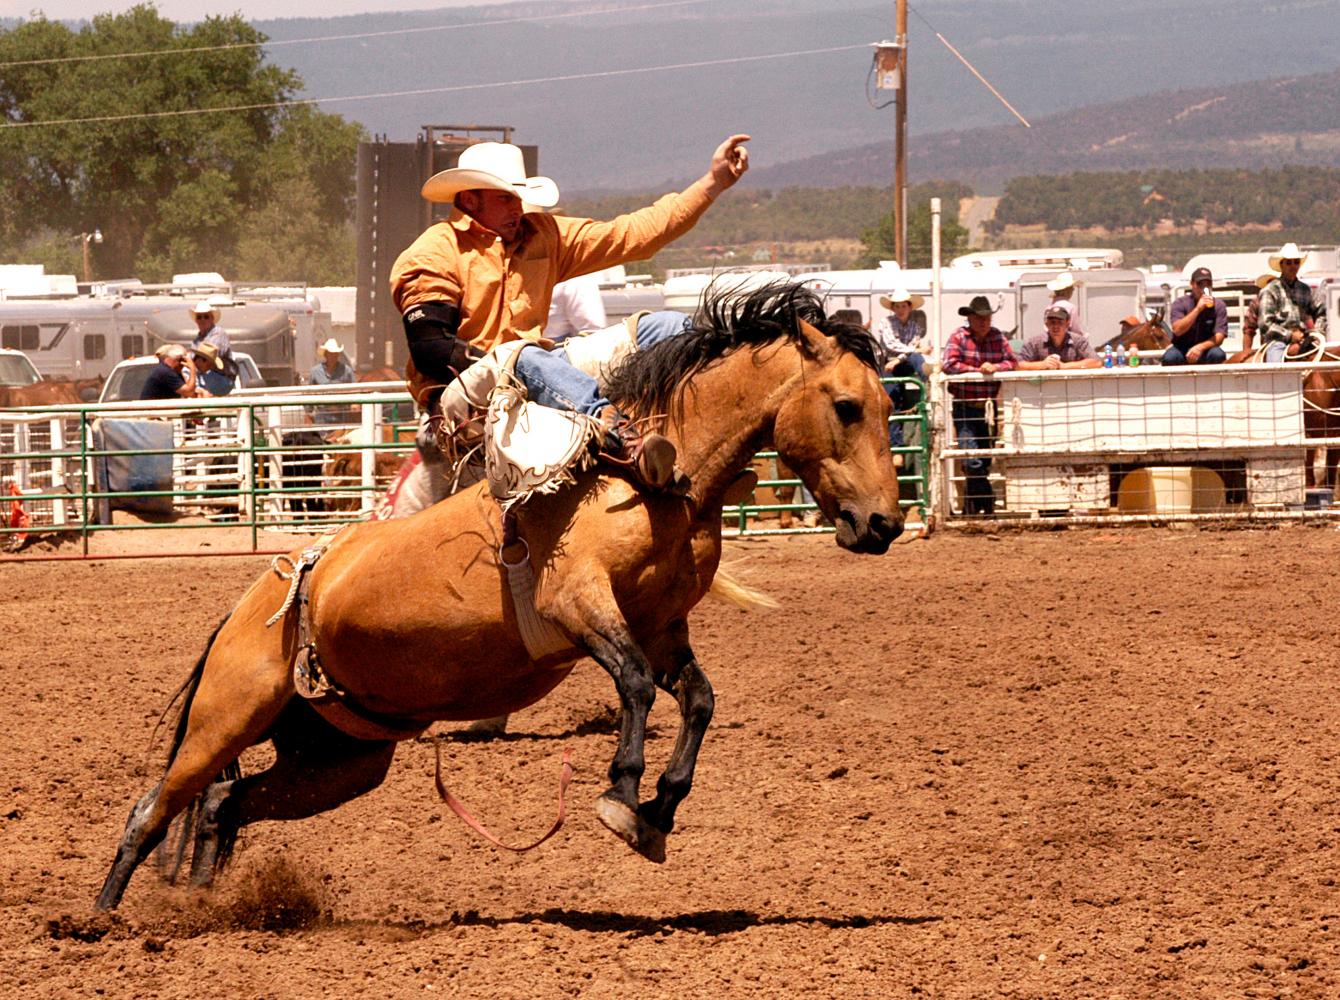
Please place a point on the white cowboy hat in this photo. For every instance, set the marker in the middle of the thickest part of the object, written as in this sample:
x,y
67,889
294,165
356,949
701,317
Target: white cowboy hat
x,y
493,166
901,295
1061,282
1289,251
331,346
202,309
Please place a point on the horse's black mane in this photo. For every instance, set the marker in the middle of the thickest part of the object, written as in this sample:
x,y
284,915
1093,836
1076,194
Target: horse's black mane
x,y
727,320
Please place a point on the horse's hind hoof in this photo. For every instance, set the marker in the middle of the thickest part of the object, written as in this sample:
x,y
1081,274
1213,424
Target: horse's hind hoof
x,y
636,832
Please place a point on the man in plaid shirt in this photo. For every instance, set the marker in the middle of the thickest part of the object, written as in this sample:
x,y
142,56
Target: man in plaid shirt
x,y
977,347
1288,313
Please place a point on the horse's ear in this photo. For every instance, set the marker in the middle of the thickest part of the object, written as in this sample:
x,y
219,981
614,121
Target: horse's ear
x,y
812,339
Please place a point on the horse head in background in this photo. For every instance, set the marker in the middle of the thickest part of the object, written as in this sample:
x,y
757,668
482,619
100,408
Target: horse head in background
x,y
413,620
1149,335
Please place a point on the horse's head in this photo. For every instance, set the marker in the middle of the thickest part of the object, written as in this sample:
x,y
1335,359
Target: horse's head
x,y
834,432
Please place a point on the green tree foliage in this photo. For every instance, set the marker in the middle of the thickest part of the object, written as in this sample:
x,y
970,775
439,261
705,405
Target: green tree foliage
x,y
170,194
878,239
1292,197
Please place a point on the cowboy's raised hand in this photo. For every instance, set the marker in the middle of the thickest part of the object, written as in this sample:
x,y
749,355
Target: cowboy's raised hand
x,y
729,162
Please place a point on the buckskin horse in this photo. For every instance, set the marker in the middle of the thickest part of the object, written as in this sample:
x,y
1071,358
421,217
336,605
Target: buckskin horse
x,y
414,622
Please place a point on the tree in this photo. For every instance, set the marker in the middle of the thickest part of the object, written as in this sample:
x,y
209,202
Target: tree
x,y
170,194
879,243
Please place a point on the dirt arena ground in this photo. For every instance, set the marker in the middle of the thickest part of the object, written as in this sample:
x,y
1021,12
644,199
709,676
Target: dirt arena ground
x,y
1080,764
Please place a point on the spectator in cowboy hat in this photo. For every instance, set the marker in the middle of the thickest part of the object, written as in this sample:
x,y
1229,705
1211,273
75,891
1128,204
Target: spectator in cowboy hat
x,y
332,369
1199,321
1251,315
210,374
1057,346
976,347
485,275
172,377
902,334
1063,288
206,315
1289,314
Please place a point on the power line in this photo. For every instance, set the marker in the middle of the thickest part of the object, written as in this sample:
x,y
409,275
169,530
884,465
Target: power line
x,y
104,119
195,50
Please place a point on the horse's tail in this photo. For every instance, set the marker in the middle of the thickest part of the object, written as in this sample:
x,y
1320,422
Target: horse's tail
x,y
170,857
727,587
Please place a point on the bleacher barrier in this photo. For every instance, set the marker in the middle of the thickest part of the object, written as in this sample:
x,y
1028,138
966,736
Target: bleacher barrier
x,y
285,459
1140,444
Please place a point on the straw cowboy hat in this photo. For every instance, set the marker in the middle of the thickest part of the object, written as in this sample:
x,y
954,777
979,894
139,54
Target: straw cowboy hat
x,y
900,295
205,308
492,166
1289,251
210,353
331,346
1061,282
1266,279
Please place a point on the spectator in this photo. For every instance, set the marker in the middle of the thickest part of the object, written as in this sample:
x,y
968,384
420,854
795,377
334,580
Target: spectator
x,y
172,377
208,331
1057,346
211,377
1288,313
332,369
1251,315
1063,287
902,333
1199,325
976,347
576,307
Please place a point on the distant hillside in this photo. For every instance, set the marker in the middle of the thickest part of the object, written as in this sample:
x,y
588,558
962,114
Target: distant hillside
x,y
1293,120
655,129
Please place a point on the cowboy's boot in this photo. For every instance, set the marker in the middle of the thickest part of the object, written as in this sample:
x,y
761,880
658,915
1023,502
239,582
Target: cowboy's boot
x,y
649,459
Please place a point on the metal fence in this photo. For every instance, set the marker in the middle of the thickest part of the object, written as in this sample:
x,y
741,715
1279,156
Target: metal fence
x,y
285,460
1148,443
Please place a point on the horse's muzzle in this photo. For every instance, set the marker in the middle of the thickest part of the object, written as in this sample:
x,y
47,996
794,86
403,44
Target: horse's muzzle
x,y
871,535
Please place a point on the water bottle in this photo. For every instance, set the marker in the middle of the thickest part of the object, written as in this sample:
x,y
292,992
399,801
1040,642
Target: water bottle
x,y
1134,359
1108,359
1121,356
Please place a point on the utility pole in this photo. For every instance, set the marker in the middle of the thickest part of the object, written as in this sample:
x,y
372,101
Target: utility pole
x,y
900,145
891,74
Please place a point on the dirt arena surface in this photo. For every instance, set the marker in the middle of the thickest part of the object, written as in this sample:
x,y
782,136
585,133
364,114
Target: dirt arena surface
x,y
1079,764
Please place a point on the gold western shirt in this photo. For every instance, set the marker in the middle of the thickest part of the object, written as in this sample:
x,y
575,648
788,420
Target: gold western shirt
x,y
503,293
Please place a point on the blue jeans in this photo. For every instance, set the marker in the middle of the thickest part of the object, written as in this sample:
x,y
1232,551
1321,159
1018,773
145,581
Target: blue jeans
x,y
898,392
1275,351
971,431
551,380
1212,356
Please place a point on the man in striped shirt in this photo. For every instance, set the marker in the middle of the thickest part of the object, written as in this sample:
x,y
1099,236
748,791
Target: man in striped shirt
x,y
976,347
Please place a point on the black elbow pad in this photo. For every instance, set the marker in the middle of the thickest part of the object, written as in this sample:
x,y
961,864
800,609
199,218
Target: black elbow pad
x,y
438,353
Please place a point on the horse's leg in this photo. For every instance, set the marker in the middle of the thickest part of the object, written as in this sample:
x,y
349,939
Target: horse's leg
x,y
614,648
693,692
1309,472
228,713
316,768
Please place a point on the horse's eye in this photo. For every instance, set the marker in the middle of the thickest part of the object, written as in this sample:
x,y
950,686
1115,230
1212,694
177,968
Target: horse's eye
x,y
848,410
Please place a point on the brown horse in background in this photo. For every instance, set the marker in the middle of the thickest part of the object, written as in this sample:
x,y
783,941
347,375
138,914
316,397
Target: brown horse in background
x,y
414,621
1321,417
51,392
1151,335
381,375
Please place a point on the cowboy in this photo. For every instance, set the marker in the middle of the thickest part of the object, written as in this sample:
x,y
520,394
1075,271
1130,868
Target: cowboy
x,y
206,315
172,377
484,276
1199,323
1058,346
976,347
1063,288
332,369
1288,313
210,375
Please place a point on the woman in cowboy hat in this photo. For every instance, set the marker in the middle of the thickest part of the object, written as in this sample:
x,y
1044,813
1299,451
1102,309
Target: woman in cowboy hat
x,y
902,334
485,275
1288,313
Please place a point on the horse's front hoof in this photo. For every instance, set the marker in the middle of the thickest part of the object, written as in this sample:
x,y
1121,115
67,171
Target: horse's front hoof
x,y
636,832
